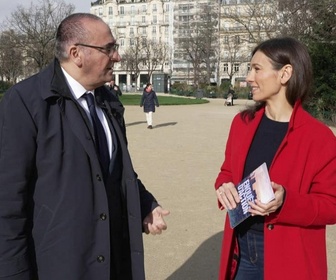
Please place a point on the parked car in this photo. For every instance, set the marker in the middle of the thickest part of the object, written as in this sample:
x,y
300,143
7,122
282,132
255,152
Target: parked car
x,y
212,94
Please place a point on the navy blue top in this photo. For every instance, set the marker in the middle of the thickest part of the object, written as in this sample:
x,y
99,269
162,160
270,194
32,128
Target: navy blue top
x,y
265,143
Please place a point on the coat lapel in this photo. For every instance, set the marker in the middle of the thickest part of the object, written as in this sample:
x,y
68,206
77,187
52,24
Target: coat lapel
x,y
70,110
248,132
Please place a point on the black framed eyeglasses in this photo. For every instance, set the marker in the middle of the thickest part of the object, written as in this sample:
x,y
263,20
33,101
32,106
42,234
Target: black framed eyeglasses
x,y
108,49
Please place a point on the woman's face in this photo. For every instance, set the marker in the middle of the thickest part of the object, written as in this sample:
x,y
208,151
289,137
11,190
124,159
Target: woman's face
x,y
265,82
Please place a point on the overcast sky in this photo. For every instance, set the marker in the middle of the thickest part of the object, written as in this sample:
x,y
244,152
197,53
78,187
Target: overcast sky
x,y
9,6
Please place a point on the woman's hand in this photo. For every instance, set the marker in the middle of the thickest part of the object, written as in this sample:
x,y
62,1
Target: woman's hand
x,y
228,196
258,208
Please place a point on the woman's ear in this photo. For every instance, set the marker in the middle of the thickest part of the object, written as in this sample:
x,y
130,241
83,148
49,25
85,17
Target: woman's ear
x,y
286,74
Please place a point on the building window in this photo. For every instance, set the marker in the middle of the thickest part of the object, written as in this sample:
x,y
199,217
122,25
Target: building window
x,y
144,9
122,42
237,39
154,8
167,8
131,31
154,29
226,67
100,11
226,26
143,19
110,11
154,19
226,39
122,10
184,8
132,10
236,67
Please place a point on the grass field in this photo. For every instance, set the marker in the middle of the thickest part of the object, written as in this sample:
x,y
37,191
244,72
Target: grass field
x,y
134,99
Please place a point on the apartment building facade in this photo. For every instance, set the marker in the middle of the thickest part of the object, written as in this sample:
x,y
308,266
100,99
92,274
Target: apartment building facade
x,y
182,26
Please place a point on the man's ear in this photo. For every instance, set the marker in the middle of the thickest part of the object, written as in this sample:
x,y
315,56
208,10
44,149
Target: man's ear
x,y
75,56
286,74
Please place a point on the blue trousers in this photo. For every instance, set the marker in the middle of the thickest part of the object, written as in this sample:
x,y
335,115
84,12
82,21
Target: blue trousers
x,y
251,261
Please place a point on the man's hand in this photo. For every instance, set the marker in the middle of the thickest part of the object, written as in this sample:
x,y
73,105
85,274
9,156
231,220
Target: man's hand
x,y
154,222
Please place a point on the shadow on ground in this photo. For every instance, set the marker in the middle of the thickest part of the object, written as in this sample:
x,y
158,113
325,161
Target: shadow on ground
x,y
156,126
135,123
165,124
204,263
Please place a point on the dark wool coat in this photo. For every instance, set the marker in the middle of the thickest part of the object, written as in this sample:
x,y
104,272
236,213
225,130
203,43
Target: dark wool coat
x,y
149,100
54,213
305,165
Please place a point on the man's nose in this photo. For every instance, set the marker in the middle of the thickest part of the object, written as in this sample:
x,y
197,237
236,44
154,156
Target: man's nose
x,y
116,57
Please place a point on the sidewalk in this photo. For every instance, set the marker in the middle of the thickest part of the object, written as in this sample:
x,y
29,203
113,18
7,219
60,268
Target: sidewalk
x,y
178,161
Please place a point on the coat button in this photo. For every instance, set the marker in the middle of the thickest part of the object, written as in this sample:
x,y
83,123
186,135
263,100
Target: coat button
x,y
100,259
270,226
98,177
103,216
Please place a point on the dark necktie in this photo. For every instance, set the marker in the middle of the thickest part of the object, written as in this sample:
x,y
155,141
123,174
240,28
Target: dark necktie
x,y
100,136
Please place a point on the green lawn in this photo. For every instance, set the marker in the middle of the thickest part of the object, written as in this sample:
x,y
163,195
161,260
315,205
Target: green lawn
x,y
134,99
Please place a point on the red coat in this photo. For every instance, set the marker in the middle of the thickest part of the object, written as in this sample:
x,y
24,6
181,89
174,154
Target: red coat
x,y
305,165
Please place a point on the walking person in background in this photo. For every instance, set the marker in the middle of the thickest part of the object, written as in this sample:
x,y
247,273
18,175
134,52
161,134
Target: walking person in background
x,y
230,96
149,100
71,204
285,238
114,88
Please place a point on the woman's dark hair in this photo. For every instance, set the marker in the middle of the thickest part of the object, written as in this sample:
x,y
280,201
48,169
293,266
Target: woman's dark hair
x,y
147,85
282,51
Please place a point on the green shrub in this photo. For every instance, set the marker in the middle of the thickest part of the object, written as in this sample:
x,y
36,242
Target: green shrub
x,y
4,86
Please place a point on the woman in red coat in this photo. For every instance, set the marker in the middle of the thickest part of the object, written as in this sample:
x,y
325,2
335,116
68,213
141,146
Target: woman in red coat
x,y
285,238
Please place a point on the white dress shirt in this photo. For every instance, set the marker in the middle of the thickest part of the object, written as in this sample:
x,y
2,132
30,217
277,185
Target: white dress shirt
x,y
78,91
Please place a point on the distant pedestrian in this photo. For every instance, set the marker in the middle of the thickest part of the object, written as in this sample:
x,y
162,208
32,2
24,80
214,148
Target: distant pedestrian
x,y
148,101
230,96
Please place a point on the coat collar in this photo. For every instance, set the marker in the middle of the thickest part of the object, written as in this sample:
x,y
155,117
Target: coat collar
x,y
297,118
59,89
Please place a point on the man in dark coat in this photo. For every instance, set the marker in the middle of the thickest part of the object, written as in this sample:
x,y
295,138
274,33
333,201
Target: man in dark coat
x,y
114,88
62,214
